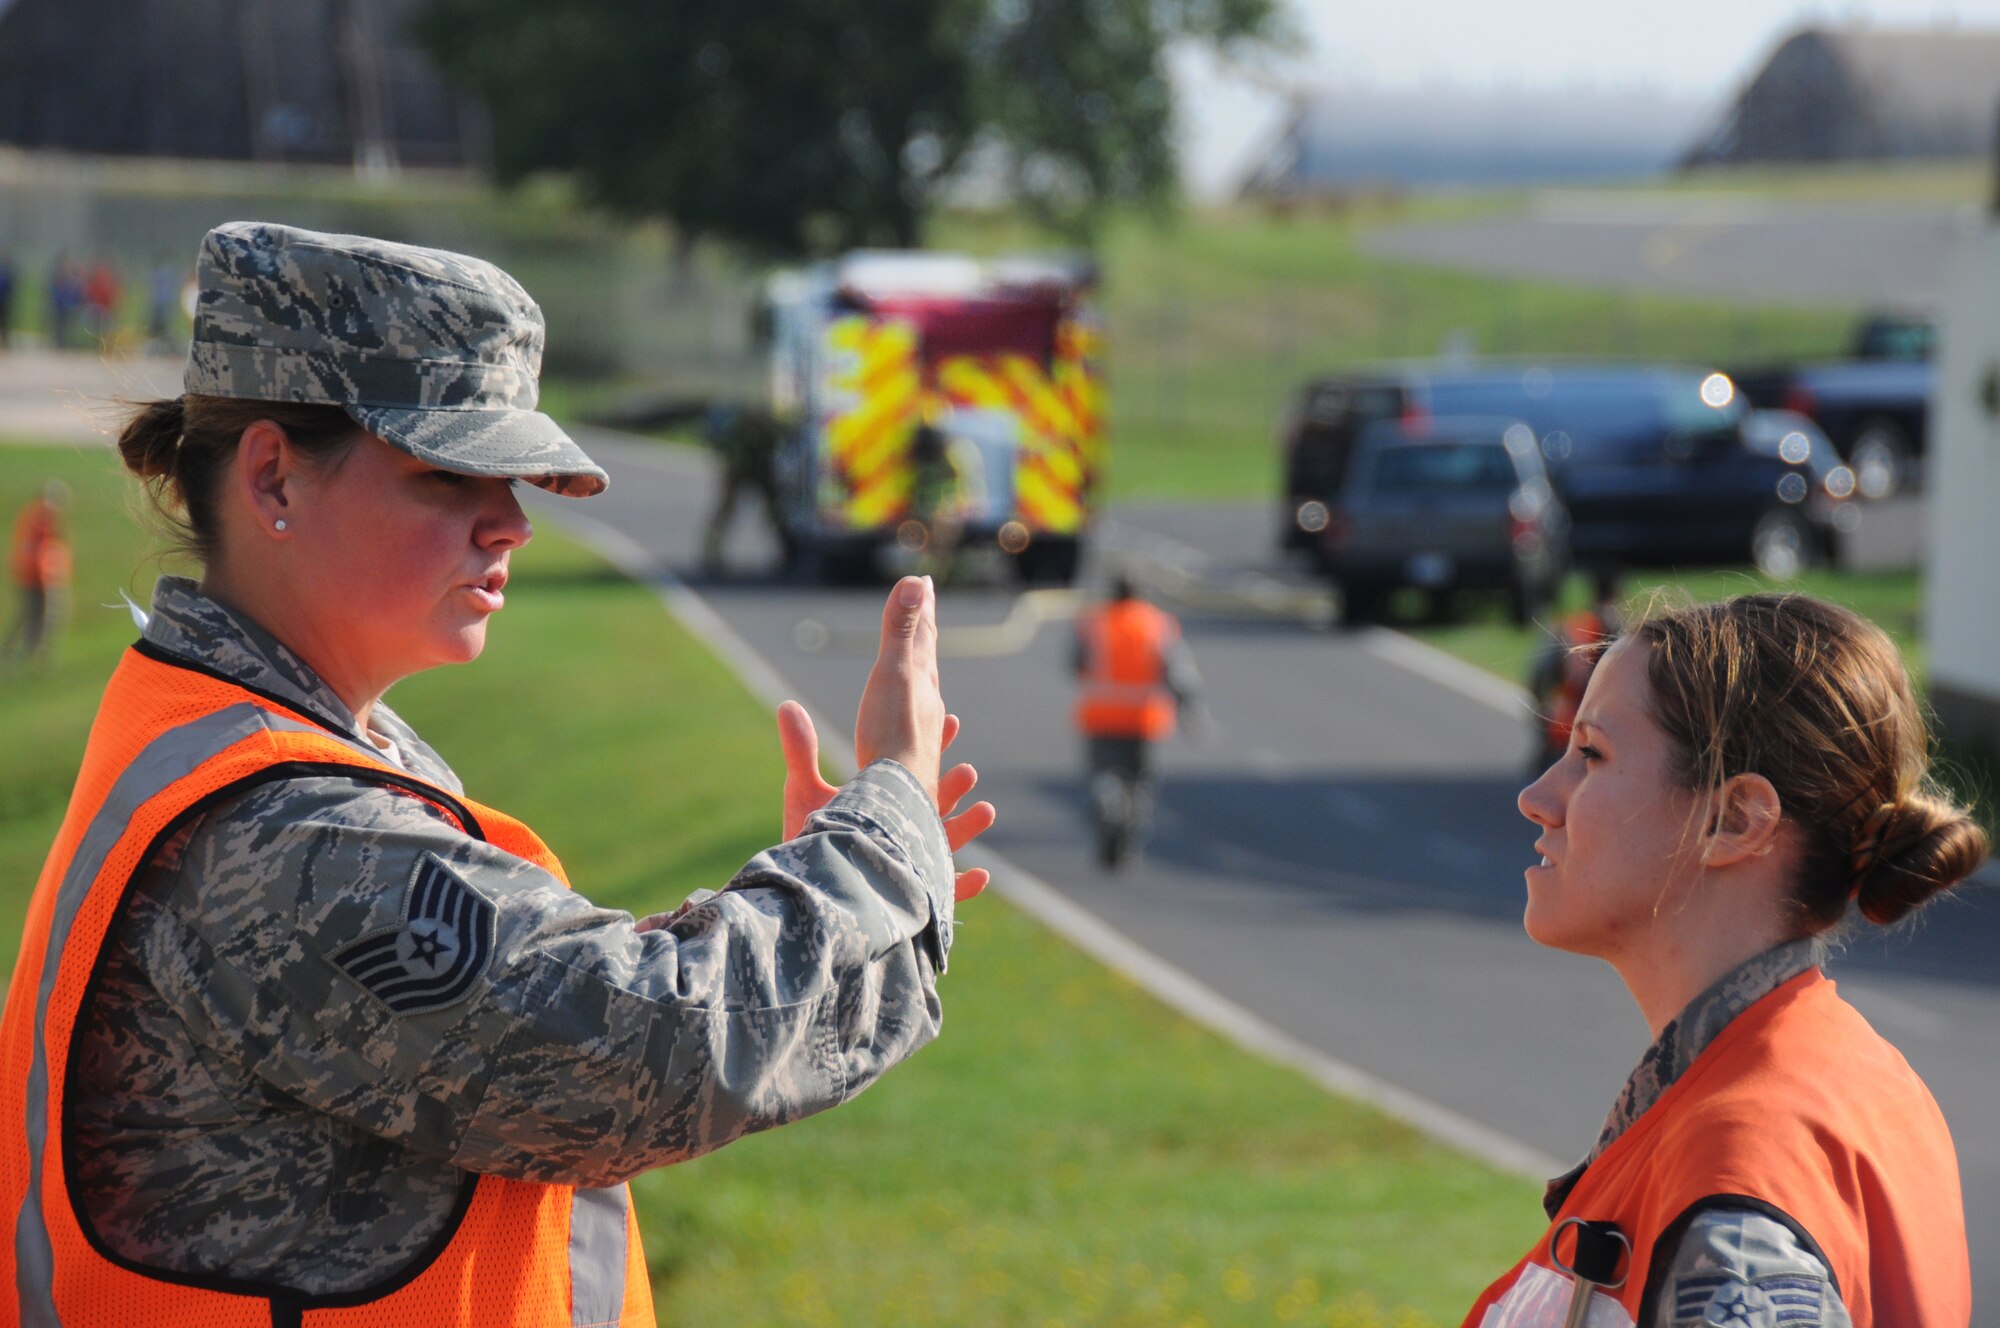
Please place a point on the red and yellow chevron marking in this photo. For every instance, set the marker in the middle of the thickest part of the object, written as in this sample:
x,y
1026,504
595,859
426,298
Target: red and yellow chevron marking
x,y
881,498
1079,342
868,440
1050,472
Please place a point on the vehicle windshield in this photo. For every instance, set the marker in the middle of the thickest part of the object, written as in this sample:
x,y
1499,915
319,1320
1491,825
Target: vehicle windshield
x,y
1445,467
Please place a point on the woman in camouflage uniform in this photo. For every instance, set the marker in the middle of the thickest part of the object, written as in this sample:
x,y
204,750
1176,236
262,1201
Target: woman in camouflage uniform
x,y
291,1068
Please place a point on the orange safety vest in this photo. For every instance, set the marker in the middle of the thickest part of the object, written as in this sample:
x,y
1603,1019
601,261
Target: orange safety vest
x,y
170,742
1573,672
40,555
1800,1109
1124,693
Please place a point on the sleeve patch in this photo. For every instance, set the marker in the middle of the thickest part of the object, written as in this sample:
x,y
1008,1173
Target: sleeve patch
x,y
1729,1302
432,958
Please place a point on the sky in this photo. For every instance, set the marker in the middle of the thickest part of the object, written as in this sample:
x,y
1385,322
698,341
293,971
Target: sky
x,y
1701,50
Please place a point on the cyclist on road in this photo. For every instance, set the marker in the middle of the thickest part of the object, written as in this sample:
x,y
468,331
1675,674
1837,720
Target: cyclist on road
x,y
1135,674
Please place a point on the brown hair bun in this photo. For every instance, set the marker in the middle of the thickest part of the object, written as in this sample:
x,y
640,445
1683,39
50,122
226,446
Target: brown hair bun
x,y
151,438
181,445
1906,852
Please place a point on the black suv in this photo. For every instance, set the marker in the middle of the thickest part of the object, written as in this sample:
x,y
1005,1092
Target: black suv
x,y
1656,465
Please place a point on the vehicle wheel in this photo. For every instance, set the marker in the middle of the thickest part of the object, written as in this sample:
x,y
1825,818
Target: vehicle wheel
x,y
822,564
1112,801
1444,606
1525,601
1048,562
1781,544
1880,455
1360,605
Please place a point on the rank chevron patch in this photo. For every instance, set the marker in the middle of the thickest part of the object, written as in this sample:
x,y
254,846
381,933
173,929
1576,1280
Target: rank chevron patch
x,y
433,957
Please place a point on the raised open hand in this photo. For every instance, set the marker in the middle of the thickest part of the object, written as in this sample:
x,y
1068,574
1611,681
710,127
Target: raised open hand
x,y
902,717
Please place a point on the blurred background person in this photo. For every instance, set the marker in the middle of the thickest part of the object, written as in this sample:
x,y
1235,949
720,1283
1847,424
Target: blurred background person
x,y
937,499
1562,669
6,301
65,301
163,290
39,561
745,437
1134,676
101,292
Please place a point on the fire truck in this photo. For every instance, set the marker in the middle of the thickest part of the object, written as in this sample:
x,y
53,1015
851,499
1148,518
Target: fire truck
x,y
932,397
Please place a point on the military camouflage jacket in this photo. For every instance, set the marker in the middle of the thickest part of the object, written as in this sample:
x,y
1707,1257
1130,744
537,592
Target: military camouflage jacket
x,y
1734,1265
256,1095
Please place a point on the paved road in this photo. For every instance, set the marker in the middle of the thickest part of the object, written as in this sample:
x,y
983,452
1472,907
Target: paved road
x,y
1341,855
1738,249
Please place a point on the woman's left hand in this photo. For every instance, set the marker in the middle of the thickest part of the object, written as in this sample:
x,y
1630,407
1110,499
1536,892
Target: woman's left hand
x,y
806,790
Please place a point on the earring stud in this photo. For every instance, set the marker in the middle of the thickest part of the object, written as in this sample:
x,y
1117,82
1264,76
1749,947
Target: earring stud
x,y
280,525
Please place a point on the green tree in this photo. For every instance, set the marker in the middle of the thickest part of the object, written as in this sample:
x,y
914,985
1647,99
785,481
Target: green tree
x,y
799,126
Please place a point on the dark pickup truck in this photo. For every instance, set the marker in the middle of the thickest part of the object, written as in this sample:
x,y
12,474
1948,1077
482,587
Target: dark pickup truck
x,y
1875,405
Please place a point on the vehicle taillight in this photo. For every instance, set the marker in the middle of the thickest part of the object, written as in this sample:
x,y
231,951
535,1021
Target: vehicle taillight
x,y
1799,399
1414,419
1523,532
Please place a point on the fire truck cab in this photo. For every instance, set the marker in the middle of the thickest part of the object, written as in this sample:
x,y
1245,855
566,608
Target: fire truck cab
x,y
926,393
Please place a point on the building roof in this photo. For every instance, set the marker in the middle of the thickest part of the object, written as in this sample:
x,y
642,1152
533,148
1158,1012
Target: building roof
x,y
1863,92
1335,140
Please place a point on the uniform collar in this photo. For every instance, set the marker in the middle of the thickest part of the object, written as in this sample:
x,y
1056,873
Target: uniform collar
x,y
1684,1038
211,635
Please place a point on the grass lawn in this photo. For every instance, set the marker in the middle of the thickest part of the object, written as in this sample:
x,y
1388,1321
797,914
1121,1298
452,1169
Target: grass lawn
x,y
1070,1152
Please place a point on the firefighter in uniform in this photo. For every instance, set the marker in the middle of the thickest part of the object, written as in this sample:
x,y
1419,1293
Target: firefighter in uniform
x,y
300,1033
745,438
1134,675
1741,777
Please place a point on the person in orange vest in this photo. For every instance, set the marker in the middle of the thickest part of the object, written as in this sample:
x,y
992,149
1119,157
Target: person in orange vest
x,y
1746,778
300,1033
1562,671
1134,675
39,560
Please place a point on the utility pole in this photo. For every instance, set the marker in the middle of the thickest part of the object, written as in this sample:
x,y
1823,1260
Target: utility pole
x,y
259,42
357,39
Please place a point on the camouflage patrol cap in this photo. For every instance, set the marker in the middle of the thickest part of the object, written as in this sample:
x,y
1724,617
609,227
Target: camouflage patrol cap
x,y
435,352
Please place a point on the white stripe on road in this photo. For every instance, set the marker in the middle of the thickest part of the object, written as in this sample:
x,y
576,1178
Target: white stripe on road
x,y
1066,918
1466,679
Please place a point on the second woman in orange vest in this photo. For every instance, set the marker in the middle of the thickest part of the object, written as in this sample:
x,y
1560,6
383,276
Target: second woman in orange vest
x,y
1743,779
